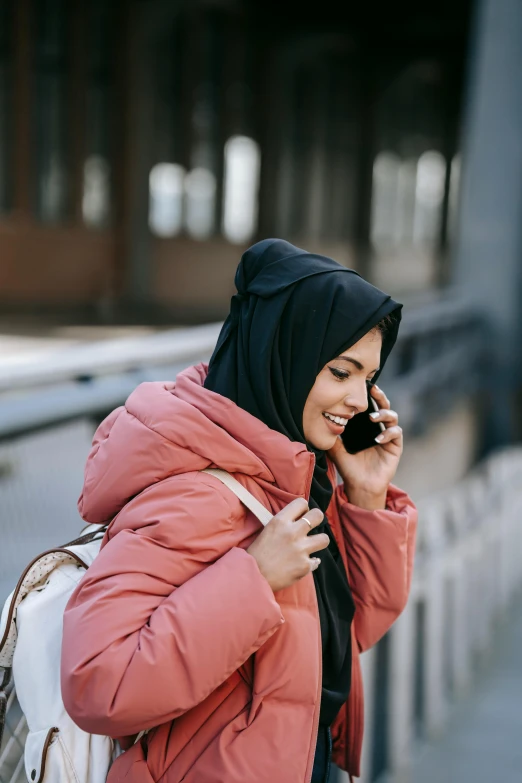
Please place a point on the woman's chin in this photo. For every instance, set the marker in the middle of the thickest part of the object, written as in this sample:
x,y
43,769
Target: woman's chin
x,y
324,441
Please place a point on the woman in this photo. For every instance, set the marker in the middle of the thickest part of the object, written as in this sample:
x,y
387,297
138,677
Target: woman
x,y
242,647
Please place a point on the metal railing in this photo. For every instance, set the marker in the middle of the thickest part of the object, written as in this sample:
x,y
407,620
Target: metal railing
x,y
112,356
12,750
92,379
468,573
434,362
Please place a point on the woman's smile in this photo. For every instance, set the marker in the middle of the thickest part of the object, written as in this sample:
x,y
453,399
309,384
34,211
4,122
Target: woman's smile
x,y
336,423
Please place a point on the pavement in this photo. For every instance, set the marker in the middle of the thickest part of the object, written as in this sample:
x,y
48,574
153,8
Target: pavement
x,y
41,476
482,742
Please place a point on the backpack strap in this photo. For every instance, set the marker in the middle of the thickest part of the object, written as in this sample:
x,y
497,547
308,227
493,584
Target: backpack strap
x,y
243,494
248,500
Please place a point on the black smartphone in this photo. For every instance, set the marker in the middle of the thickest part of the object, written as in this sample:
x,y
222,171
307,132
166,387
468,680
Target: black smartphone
x,y
361,431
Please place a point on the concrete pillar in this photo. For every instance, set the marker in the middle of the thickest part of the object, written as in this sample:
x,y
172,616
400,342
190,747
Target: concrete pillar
x,y
489,246
140,157
147,21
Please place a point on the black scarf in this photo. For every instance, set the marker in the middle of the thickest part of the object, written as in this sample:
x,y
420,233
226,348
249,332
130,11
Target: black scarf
x,y
293,313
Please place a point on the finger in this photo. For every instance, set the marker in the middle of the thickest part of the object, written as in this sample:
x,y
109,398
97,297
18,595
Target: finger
x,y
316,543
380,397
389,434
311,519
295,510
385,415
315,562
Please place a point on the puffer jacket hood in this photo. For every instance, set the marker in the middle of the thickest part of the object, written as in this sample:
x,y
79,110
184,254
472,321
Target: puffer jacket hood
x,y
166,429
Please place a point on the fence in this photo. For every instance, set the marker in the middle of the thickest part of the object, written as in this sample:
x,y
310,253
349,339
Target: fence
x,y
468,571
12,752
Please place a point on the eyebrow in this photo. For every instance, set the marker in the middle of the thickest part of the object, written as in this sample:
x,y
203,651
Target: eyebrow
x,y
355,362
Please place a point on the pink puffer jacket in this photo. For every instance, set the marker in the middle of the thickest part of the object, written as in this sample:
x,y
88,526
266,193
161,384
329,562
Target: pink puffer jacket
x,y
173,625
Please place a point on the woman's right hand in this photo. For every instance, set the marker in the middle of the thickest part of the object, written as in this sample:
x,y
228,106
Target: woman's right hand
x,y
282,550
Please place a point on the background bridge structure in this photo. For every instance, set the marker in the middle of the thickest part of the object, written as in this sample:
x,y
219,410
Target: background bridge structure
x,y
144,144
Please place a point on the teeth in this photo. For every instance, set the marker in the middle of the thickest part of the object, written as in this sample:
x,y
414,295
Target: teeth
x,y
336,419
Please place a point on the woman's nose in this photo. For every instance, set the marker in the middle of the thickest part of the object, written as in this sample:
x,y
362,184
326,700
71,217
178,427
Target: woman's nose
x,y
358,400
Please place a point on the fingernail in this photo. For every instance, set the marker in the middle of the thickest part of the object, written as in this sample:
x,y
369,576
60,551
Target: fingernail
x,y
374,415
379,438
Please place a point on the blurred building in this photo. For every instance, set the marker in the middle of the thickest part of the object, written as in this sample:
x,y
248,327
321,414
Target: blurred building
x,y
144,144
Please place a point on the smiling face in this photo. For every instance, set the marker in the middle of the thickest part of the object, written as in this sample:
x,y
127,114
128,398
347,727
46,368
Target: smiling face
x,y
340,391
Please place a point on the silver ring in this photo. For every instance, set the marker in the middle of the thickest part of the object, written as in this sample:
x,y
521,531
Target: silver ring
x,y
304,519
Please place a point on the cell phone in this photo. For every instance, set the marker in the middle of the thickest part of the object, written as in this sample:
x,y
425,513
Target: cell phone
x,y
361,431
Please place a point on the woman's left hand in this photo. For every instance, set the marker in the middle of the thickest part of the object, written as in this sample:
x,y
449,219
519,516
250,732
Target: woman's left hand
x,y
367,474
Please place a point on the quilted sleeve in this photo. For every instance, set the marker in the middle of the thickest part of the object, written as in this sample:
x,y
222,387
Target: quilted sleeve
x,y
380,547
169,609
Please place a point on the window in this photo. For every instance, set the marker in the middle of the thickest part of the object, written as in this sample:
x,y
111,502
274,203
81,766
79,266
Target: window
x,y
166,186
406,197
206,173
407,200
429,197
96,191
410,172
50,127
240,205
314,152
200,202
96,200
201,183
385,193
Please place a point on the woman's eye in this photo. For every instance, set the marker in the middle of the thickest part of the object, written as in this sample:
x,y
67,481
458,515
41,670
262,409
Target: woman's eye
x,y
341,375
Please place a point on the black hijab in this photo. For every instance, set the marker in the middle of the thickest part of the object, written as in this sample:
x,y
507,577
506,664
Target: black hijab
x,y
294,312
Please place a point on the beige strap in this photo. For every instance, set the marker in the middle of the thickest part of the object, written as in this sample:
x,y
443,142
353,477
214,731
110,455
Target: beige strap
x,y
243,494
248,500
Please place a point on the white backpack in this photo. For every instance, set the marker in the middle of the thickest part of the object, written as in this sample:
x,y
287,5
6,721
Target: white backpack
x,y
56,750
